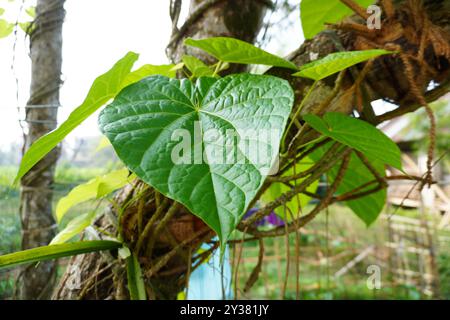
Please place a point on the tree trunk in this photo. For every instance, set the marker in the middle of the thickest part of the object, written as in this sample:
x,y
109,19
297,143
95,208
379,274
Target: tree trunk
x,y
38,225
101,276
240,19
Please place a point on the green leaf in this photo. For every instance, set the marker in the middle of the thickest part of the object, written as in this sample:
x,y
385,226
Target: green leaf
x,y
55,252
336,62
102,144
163,130
197,67
358,135
315,13
5,28
238,51
31,11
136,285
149,70
277,189
95,188
104,88
177,67
2,11
74,227
369,207
26,27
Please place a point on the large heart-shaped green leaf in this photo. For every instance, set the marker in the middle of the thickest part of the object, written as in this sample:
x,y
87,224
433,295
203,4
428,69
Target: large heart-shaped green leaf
x,y
230,130
315,13
238,51
358,135
336,62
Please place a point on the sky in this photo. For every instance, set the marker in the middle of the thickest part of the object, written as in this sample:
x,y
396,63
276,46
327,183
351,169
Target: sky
x,y
96,33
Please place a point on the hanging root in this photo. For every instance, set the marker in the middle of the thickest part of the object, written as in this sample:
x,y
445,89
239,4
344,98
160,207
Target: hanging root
x,y
256,271
432,145
166,236
168,254
418,95
388,8
397,27
422,57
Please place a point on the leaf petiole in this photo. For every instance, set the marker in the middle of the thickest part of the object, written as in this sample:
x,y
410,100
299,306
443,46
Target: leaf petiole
x,y
218,67
297,112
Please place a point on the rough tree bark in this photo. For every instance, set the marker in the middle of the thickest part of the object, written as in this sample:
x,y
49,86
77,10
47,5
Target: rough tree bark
x,y
240,19
38,225
101,276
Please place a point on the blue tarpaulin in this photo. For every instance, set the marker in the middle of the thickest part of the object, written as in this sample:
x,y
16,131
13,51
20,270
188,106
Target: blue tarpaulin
x,y
211,280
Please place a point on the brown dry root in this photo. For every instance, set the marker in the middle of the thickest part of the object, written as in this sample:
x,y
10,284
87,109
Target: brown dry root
x,y
163,234
417,41
166,236
410,23
423,56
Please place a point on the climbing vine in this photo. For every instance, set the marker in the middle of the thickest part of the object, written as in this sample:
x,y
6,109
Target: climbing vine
x,y
219,148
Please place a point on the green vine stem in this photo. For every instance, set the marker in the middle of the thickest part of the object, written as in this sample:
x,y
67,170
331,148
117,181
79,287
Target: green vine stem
x,y
297,112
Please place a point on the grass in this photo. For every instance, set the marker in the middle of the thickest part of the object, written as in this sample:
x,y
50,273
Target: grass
x,y
66,178
10,231
346,232
348,237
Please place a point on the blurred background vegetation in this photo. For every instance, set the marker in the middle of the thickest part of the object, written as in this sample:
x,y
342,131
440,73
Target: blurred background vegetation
x,y
328,249
326,246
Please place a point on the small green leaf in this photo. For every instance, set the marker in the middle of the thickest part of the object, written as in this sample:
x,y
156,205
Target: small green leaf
x,y
149,70
93,189
197,67
2,11
136,285
26,27
113,181
55,252
336,62
74,227
5,28
147,120
358,135
238,51
102,144
104,88
277,189
31,11
315,13
177,67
